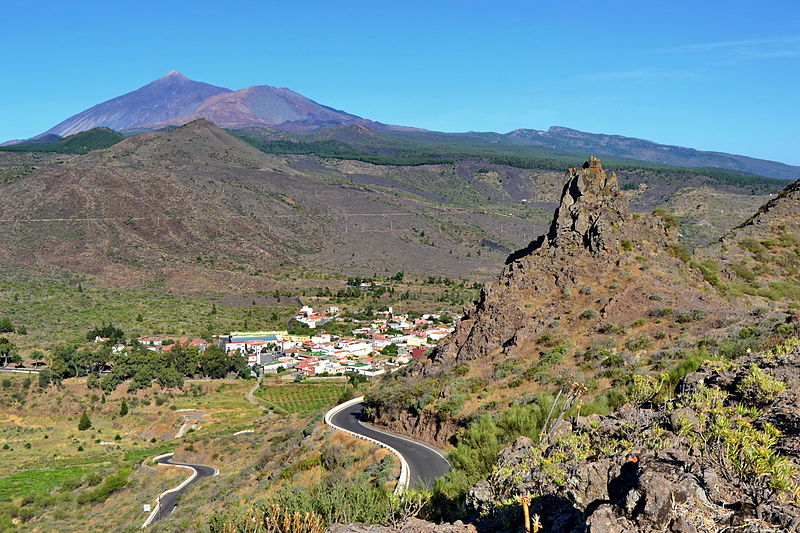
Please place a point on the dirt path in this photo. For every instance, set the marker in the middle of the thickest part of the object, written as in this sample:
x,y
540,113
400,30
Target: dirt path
x,y
251,392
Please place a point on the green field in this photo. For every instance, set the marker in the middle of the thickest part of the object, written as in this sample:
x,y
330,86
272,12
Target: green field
x,y
300,398
39,479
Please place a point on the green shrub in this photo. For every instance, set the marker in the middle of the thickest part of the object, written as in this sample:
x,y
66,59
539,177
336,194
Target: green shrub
x,y
84,423
589,314
461,370
612,328
709,271
670,220
691,316
642,342
743,272
681,252
756,248
111,484
758,388
598,351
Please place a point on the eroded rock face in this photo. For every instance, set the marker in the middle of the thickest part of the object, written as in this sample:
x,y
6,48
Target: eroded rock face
x,y
591,206
589,227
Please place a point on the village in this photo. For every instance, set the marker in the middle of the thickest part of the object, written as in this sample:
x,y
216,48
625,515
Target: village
x,y
381,344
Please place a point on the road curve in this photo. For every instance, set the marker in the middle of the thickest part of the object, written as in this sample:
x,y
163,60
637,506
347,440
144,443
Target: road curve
x,y
425,463
168,500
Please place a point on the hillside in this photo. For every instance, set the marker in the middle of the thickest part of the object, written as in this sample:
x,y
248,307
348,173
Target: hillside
x,y
759,260
77,143
602,289
196,205
604,309
200,208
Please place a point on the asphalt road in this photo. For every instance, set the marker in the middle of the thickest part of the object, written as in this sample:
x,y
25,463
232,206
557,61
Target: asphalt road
x,y
170,500
424,463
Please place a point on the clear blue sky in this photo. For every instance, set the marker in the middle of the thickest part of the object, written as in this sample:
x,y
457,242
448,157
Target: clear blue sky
x,y
714,75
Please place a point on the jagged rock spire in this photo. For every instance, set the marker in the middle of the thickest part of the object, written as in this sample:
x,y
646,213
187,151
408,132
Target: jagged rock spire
x,y
591,207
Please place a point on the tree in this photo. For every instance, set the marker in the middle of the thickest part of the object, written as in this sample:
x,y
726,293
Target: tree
x,y
93,381
8,352
123,408
390,350
108,331
84,423
44,378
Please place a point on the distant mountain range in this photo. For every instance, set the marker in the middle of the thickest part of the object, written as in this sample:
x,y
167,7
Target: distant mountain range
x,y
174,100
571,140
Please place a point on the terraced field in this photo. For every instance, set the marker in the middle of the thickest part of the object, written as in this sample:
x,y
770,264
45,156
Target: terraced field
x,y
300,398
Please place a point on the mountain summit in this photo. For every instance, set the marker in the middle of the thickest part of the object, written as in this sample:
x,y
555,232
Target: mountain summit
x,y
174,100
264,105
166,98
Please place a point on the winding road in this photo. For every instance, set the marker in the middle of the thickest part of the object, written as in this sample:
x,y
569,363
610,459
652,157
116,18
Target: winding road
x,y
168,500
425,463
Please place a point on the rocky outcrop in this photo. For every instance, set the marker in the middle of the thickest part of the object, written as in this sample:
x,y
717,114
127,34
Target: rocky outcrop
x,y
412,525
591,207
427,427
673,468
596,257
589,230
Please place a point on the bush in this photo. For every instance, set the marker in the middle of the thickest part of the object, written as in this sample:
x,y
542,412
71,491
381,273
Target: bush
x,y
710,272
599,351
589,314
111,484
758,389
612,328
691,316
642,342
84,423
670,220
743,272
681,252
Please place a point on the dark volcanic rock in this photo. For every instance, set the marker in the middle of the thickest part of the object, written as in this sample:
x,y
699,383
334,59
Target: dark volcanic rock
x,y
412,525
670,480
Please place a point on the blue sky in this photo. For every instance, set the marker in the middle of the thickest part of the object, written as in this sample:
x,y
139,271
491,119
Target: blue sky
x,y
714,75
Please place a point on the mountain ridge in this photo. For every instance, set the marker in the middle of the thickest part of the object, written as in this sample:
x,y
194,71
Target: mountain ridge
x,y
174,100
560,137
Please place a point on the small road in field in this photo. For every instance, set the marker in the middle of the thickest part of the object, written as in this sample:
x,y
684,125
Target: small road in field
x,y
250,394
425,463
168,500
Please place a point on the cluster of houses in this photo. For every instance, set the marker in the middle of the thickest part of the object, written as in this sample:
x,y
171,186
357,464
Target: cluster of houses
x,y
364,352
374,347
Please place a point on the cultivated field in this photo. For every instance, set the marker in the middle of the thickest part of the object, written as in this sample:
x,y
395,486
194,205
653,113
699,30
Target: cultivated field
x,y
300,398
